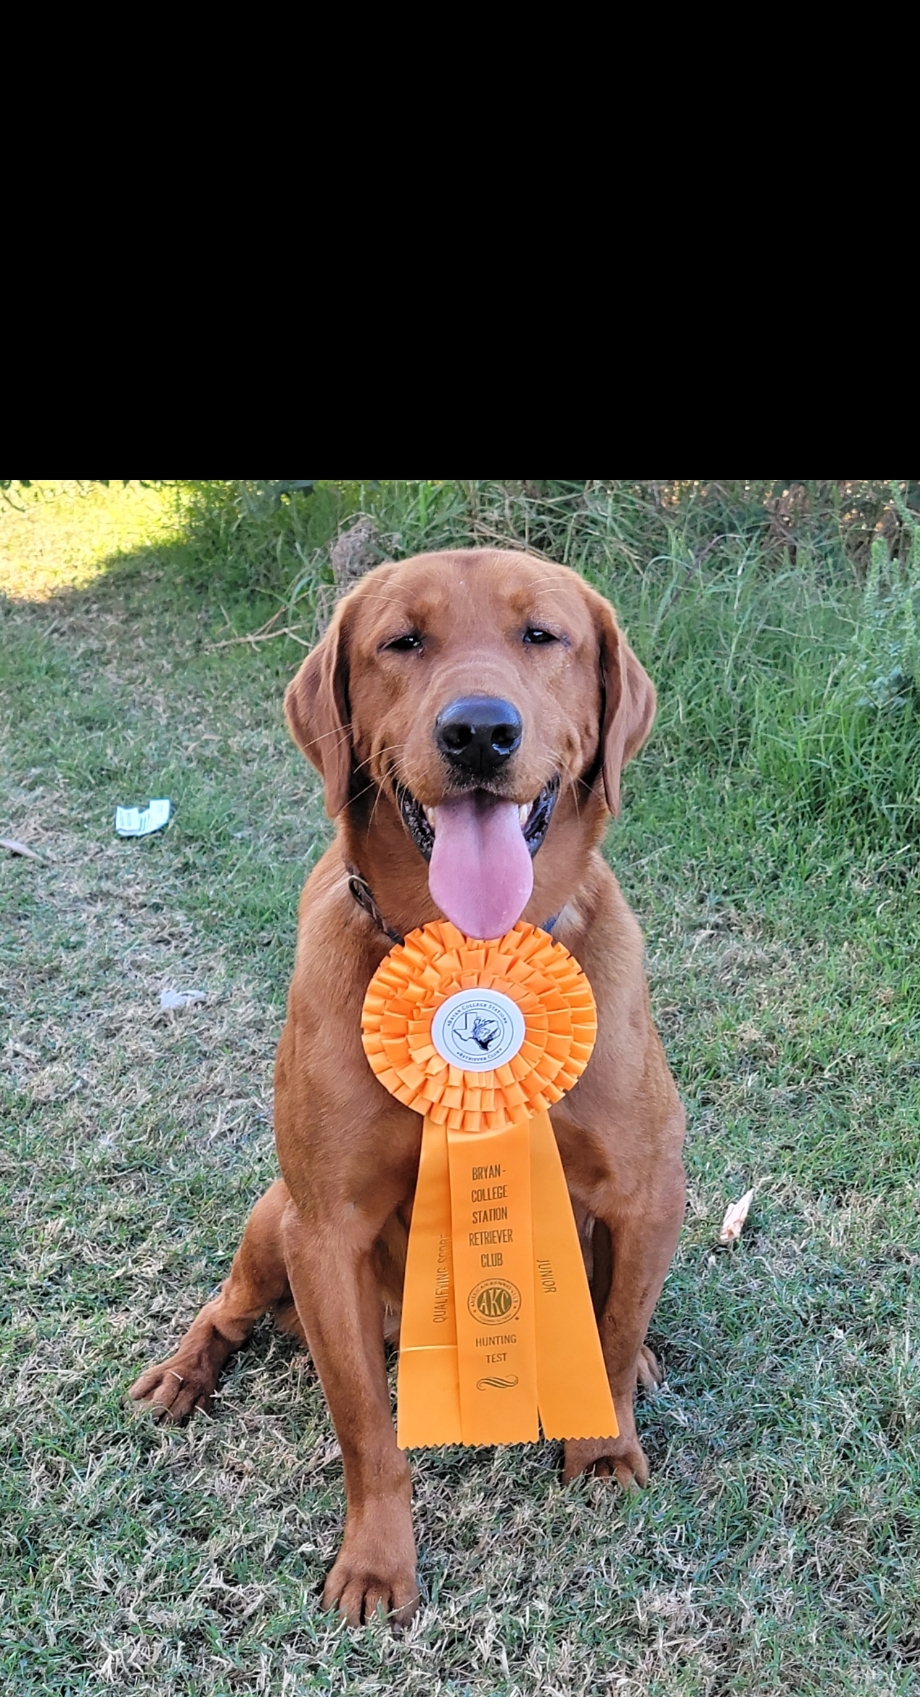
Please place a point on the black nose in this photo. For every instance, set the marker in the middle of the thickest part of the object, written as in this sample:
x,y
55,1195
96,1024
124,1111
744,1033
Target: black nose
x,y
478,732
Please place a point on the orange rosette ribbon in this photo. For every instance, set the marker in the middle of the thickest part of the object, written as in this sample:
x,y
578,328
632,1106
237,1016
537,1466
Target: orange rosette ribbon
x,y
497,1323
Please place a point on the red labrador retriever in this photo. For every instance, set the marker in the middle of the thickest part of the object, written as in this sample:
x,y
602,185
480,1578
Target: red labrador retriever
x,y
470,713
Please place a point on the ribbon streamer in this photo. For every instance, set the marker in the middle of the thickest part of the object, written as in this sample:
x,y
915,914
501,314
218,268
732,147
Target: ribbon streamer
x,y
497,1323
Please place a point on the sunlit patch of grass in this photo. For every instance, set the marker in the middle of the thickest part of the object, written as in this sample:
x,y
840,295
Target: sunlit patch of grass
x,y
60,533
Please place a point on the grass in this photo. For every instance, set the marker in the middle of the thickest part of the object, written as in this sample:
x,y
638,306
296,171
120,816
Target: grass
x,y
768,844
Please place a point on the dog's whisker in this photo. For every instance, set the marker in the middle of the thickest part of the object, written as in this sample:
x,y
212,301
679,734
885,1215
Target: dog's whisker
x,y
372,785
380,600
390,748
375,784
396,785
376,805
343,732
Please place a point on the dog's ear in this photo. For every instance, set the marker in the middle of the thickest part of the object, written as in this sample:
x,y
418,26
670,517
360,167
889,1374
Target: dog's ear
x,y
628,703
318,713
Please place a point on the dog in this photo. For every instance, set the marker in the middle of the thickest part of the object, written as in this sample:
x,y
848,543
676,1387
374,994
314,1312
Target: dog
x,y
470,714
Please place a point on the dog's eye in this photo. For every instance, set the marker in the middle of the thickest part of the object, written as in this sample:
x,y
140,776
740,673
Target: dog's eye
x,y
534,634
405,644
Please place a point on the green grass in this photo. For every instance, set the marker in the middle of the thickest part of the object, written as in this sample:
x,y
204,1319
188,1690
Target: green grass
x,y
768,844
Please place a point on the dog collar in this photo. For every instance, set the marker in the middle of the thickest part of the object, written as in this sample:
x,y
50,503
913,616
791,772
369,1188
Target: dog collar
x,y
361,891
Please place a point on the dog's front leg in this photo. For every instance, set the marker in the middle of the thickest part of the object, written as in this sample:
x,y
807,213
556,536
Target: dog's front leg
x,y
332,1278
643,1232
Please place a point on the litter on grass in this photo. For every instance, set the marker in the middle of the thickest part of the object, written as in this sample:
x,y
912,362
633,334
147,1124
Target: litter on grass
x,y
735,1217
140,821
171,1001
14,846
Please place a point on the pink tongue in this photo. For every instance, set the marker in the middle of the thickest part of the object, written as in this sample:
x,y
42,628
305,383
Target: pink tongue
x,y
481,873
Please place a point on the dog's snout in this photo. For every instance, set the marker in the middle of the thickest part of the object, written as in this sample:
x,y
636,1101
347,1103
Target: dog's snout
x,y
477,733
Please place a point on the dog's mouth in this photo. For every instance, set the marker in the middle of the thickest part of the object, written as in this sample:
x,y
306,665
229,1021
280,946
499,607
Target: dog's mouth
x,y
480,849
533,817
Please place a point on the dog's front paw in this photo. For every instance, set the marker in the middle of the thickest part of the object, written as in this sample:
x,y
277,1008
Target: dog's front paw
x,y
621,1458
174,1389
371,1576
649,1374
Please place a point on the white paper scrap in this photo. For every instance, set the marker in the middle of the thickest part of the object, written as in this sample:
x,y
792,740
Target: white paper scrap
x,y
140,821
172,1001
735,1216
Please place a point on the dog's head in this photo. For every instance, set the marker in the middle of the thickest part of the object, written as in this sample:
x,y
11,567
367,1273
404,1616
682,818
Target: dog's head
x,y
472,689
